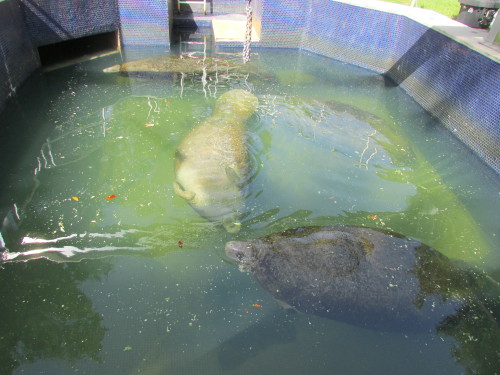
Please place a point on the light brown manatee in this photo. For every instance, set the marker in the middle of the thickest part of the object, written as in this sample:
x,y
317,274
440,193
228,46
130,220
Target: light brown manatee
x,y
211,162
362,276
179,64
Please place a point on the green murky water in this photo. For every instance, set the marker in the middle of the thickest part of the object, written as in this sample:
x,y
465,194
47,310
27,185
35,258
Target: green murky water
x,y
108,271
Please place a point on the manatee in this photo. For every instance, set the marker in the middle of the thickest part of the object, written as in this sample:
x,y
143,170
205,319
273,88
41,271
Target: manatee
x,y
367,277
179,64
211,162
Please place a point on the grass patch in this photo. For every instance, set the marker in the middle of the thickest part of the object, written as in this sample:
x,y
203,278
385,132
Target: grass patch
x,y
449,8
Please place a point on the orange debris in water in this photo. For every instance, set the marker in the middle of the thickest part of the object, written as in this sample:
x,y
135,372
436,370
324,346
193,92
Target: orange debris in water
x,y
112,196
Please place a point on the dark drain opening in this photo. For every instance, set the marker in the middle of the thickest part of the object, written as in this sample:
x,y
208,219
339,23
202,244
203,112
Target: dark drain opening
x,y
76,49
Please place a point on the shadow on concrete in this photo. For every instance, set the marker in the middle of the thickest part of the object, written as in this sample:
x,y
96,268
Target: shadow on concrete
x,y
46,25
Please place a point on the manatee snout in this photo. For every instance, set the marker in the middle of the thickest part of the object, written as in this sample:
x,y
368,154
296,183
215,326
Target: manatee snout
x,y
238,251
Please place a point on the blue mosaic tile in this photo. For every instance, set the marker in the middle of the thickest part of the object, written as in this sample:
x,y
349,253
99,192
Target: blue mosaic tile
x,y
460,87
454,83
349,33
145,22
52,21
281,23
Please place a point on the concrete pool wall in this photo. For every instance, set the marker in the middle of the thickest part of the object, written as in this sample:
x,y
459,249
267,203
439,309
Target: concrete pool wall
x,y
441,63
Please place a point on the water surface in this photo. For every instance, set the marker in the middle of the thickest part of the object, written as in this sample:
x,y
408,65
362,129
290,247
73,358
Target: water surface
x,y
108,271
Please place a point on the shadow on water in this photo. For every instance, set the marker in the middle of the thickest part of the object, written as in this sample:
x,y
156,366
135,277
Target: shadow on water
x,y
45,315
435,295
477,333
377,154
45,21
252,341
460,84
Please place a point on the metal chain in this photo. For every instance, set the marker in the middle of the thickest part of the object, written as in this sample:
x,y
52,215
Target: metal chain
x,y
248,34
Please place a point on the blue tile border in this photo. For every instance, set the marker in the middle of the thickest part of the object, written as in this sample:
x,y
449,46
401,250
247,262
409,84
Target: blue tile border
x,y
145,23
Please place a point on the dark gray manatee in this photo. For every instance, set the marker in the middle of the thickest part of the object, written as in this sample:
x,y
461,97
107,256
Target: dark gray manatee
x,y
212,164
367,277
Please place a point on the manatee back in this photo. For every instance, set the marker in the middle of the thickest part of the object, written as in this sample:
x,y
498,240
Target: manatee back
x,y
354,274
236,103
315,251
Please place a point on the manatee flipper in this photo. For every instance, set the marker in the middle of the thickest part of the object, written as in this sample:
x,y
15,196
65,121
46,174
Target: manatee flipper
x,y
187,195
233,175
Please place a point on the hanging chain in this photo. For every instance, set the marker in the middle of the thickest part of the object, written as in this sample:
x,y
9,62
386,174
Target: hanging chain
x,y
248,34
